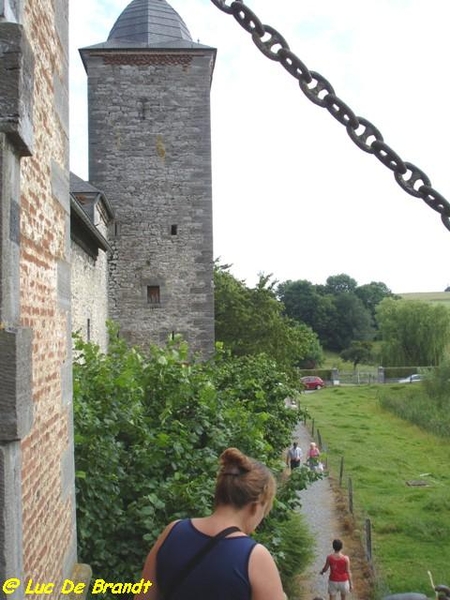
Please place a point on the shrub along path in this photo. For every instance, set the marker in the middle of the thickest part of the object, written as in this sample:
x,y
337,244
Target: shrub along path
x,y
327,517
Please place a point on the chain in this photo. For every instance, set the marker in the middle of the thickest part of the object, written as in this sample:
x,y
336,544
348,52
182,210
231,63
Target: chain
x,y
315,87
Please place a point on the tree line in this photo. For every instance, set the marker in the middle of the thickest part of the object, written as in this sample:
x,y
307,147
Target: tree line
x,y
295,321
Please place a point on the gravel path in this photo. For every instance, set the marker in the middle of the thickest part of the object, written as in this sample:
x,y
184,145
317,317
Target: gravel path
x,y
318,507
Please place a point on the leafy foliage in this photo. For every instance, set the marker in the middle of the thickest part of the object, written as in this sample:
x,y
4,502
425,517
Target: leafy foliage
x,y
304,303
297,546
340,284
413,332
426,404
339,312
371,294
352,322
357,353
437,387
148,434
251,321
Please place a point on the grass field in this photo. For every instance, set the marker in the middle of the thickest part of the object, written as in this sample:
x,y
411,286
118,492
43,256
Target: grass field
x,y
439,297
410,524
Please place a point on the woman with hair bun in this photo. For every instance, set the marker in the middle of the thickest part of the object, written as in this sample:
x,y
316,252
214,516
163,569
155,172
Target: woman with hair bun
x,y
188,561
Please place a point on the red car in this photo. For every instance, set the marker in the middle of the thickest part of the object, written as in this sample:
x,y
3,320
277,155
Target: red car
x,y
311,382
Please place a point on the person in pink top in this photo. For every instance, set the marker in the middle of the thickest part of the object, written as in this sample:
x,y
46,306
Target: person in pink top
x,y
312,457
340,579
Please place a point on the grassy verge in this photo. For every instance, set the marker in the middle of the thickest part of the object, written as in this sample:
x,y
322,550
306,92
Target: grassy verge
x,y
382,452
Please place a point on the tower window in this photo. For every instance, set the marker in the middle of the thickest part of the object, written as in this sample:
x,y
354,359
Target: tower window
x,y
115,229
153,294
174,230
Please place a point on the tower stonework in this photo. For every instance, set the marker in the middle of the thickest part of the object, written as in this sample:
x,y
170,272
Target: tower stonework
x,y
150,152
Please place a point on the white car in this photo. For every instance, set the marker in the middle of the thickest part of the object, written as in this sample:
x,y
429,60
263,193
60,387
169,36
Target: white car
x,y
412,378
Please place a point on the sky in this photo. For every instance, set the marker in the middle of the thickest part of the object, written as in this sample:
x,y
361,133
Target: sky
x,y
293,196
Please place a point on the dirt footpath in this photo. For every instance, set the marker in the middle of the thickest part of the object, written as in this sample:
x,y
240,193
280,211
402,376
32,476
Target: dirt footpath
x,y
326,513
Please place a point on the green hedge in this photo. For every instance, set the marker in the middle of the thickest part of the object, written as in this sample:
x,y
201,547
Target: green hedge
x,y
148,433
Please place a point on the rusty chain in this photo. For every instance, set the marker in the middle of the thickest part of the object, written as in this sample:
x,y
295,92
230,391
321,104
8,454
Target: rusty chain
x,y
361,131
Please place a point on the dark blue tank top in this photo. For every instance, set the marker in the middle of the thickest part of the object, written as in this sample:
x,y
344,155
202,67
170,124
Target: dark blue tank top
x,y
221,575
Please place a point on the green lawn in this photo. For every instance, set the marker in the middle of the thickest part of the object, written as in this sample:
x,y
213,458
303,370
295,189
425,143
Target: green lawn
x,y
410,525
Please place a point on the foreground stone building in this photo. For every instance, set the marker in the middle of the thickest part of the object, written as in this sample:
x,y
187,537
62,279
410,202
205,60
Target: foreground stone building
x,y
150,153
37,500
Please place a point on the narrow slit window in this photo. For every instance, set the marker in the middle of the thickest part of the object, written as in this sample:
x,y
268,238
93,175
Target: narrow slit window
x,y
88,330
174,230
153,294
116,229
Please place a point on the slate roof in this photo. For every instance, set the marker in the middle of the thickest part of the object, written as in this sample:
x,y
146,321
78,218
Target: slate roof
x,y
150,22
82,228
80,187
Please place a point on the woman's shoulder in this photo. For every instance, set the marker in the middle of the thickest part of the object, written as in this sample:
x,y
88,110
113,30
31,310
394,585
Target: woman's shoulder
x,y
264,576
165,532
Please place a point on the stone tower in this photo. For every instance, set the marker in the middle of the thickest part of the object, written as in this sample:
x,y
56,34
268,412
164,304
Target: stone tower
x,y
150,153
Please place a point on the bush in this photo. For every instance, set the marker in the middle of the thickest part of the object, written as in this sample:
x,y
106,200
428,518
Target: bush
x,y
148,434
437,386
426,404
297,546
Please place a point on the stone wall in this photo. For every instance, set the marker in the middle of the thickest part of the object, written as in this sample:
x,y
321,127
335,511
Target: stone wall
x,y
89,295
37,505
150,151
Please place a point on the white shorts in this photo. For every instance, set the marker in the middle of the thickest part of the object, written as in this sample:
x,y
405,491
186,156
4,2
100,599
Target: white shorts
x,y
336,587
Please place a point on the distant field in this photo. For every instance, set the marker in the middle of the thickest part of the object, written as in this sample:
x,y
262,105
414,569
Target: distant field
x,y
440,297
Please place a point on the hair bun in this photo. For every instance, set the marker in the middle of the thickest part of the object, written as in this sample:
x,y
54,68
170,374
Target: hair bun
x,y
234,462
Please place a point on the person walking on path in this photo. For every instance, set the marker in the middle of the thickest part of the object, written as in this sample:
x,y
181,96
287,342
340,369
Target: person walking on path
x,y
340,580
313,456
294,456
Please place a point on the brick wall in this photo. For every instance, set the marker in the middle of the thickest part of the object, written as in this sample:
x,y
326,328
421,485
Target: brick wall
x,y
37,508
47,452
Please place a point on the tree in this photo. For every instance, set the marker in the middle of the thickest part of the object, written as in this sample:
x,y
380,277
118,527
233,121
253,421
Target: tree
x,y
304,303
358,352
251,320
334,311
352,322
414,333
338,284
372,294
300,300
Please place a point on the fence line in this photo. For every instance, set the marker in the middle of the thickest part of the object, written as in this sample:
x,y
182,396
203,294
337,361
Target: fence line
x,y
367,542
366,376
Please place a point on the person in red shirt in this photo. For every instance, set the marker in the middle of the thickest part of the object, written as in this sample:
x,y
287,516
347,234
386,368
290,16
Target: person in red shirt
x,y
340,580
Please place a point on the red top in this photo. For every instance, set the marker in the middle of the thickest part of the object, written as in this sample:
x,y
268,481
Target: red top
x,y
338,568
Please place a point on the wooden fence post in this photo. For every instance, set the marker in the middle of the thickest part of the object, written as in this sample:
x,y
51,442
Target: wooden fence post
x,y
319,439
350,495
341,471
368,530
312,428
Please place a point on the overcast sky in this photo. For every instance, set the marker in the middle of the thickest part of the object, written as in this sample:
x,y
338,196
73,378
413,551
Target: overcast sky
x,y
292,195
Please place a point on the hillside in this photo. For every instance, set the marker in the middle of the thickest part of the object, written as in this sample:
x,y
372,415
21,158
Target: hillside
x,y
440,297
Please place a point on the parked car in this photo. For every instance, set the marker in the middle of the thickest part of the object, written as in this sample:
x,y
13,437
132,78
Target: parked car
x,y
312,382
412,378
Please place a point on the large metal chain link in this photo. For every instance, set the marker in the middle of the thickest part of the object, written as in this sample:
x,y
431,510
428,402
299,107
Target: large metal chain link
x,y
319,90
